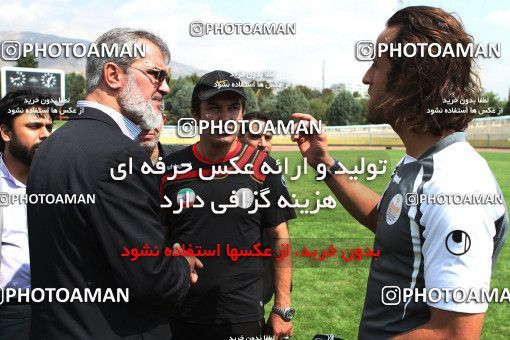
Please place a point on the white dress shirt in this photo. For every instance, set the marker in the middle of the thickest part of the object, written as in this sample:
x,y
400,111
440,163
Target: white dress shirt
x,y
15,266
128,127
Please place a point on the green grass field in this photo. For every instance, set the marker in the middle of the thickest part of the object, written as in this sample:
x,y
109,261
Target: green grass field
x,y
329,297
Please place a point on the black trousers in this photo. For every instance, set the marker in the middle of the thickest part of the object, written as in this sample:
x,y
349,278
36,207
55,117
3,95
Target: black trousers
x,y
15,321
182,330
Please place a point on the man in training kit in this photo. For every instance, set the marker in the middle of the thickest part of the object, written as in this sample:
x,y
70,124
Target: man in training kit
x,y
227,300
424,244
262,141
150,141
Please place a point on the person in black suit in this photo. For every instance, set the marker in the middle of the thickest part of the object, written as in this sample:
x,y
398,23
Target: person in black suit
x,y
80,246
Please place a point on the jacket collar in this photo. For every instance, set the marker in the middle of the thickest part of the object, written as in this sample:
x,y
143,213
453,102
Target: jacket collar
x,y
96,111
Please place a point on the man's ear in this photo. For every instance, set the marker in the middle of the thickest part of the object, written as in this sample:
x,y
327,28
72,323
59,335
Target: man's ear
x,y
5,133
113,76
164,118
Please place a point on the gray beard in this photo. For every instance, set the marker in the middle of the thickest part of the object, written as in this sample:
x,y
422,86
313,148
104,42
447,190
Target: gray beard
x,y
137,109
149,147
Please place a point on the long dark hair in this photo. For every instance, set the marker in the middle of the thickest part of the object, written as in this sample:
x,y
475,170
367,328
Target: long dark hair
x,y
418,83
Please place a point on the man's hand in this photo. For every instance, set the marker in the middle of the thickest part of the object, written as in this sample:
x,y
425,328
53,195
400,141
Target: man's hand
x,y
279,326
314,147
193,262
359,200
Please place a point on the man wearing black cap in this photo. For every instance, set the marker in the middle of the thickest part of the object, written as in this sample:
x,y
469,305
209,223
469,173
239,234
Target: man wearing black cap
x,y
227,300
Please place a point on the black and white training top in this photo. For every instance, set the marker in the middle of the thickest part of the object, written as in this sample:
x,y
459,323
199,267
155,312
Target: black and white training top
x,y
441,224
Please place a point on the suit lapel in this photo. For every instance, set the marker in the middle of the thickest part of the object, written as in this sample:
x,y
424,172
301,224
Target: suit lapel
x,y
95,114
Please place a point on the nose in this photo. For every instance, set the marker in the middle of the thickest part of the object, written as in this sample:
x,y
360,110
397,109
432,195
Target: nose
x,y
367,78
263,143
164,88
43,133
225,112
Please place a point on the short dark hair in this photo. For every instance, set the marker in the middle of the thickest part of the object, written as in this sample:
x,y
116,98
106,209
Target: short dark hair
x,y
421,82
258,115
195,104
20,101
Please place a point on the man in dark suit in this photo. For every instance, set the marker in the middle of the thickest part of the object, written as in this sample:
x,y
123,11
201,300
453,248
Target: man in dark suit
x,y
79,246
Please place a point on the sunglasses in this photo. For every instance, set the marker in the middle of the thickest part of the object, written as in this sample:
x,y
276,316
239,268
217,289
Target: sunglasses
x,y
159,75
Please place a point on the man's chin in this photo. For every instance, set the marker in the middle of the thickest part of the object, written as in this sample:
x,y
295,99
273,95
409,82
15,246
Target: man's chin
x,y
147,139
376,117
157,107
149,147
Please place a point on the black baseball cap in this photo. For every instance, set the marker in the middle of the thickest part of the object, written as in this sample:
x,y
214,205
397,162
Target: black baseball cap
x,y
215,82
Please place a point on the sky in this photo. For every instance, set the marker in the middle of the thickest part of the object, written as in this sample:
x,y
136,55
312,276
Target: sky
x,y
326,31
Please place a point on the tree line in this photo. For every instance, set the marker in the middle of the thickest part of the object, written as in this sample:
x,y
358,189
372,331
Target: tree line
x,y
344,108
